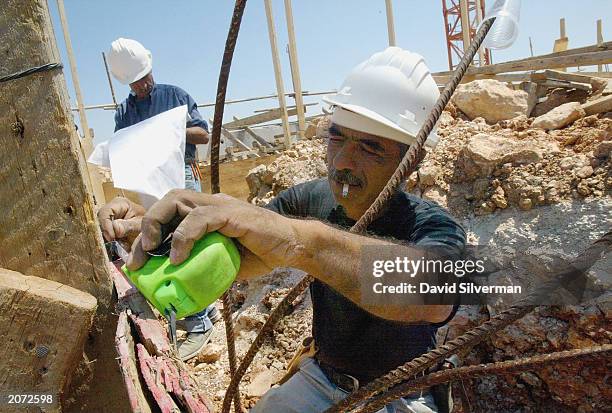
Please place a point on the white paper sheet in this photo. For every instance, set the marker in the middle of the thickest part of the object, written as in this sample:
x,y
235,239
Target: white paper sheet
x,y
148,157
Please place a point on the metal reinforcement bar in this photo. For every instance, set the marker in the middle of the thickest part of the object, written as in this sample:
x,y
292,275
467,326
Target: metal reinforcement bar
x,y
467,372
228,54
275,316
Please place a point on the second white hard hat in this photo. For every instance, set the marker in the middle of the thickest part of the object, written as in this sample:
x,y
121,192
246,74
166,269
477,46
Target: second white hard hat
x,y
129,60
388,95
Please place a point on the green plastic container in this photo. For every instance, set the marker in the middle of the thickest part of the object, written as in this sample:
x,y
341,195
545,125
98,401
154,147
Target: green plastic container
x,y
193,285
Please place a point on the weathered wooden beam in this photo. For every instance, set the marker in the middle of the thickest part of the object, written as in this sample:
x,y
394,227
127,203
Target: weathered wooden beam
x,y
554,83
48,226
390,22
149,329
237,141
538,63
600,105
280,88
124,344
464,15
257,119
167,380
253,135
43,325
599,40
295,68
541,62
304,106
87,141
570,77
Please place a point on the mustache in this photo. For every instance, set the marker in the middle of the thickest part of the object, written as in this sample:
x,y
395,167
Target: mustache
x,y
344,176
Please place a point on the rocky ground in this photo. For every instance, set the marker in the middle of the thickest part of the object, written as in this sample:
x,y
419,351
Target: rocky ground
x,y
537,190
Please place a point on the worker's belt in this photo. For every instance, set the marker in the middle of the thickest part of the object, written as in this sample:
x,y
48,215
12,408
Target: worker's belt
x,y
344,382
349,383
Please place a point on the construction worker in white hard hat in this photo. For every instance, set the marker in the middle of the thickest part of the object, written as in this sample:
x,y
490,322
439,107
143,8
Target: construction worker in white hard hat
x,y
132,64
356,337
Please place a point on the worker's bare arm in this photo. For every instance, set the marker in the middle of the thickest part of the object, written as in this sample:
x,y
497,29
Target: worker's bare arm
x,y
271,240
197,135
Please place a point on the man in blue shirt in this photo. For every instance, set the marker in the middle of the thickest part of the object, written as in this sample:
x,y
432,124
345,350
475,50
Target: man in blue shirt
x,y
131,64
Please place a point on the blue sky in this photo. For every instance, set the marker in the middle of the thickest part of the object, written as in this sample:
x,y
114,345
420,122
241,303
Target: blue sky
x,y
187,39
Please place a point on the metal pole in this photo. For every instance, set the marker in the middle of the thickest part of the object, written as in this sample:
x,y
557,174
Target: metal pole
x,y
295,70
280,88
110,82
390,23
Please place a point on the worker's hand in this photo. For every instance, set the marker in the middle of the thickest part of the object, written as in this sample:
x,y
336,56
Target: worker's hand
x,y
269,238
120,219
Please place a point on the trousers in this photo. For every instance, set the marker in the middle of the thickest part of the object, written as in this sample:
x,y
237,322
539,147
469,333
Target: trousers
x,y
309,391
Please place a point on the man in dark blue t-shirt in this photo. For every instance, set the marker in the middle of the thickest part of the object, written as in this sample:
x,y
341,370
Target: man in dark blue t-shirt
x,y
376,114
131,64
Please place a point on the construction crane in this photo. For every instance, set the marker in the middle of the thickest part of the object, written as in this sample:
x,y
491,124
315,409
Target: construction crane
x,y
461,19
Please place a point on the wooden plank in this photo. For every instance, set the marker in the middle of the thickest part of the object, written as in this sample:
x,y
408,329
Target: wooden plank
x,y
150,330
151,371
304,106
538,63
110,81
553,83
124,344
87,141
169,386
257,119
44,325
390,22
481,50
295,68
570,77
48,226
503,67
599,40
562,42
234,139
585,59
465,23
253,135
257,138
600,105
280,88
177,392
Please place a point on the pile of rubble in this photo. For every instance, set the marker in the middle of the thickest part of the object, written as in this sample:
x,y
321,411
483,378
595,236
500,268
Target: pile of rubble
x,y
524,162
305,160
535,188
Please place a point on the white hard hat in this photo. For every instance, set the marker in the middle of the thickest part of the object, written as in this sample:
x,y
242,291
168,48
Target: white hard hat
x,y
389,95
129,60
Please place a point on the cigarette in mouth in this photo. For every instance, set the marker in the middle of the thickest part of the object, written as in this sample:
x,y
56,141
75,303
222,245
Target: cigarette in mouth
x,y
345,189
